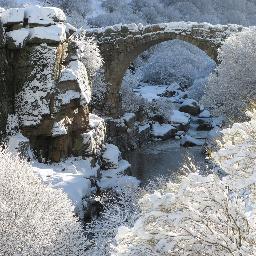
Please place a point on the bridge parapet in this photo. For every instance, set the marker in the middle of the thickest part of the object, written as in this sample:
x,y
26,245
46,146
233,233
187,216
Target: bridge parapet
x,y
213,32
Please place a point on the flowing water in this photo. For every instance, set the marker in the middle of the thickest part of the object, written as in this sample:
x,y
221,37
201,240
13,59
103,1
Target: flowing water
x,y
162,158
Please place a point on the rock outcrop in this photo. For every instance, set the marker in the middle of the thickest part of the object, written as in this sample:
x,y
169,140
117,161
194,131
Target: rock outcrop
x,y
45,84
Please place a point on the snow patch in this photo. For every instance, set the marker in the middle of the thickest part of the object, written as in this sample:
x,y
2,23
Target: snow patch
x,y
54,33
111,156
161,130
76,71
65,98
18,36
72,175
44,15
150,92
179,117
13,16
115,178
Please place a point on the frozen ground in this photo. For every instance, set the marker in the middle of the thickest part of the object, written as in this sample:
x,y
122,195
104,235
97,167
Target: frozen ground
x,y
75,175
150,92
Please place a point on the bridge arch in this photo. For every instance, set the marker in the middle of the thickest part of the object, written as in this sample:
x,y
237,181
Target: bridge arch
x,y
120,45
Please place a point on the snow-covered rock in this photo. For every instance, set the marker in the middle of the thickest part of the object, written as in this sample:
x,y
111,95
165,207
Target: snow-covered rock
x,y
66,97
116,178
77,73
33,101
204,124
51,35
111,157
33,25
179,117
32,15
59,128
16,38
163,131
12,16
171,90
205,114
37,15
190,106
188,141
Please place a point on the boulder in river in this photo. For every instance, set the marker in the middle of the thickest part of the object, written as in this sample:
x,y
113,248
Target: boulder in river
x,y
205,114
190,106
204,124
179,117
163,131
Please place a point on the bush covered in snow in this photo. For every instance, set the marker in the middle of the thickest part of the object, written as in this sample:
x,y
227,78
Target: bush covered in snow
x,y
99,90
231,89
121,209
76,10
189,219
35,219
88,52
237,154
130,101
113,12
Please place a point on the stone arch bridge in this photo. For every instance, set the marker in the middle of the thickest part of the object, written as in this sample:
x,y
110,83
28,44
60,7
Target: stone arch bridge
x,y
121,44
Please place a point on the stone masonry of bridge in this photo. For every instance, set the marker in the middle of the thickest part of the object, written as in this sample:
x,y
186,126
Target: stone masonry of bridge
x,y
120,45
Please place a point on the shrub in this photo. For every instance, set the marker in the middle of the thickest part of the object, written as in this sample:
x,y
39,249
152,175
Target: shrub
x,y
231,90
35,219
189,219
88,52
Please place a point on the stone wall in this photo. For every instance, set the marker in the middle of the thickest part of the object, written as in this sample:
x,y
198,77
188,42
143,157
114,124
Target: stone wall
x,y
45,84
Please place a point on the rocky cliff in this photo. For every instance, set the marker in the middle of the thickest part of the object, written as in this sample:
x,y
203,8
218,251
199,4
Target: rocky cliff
x,y
45,90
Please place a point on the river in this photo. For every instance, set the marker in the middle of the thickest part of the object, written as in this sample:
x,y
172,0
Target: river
x,y
162,158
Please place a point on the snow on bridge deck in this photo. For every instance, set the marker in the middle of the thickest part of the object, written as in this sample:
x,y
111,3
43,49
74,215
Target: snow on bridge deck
x,y
219,32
